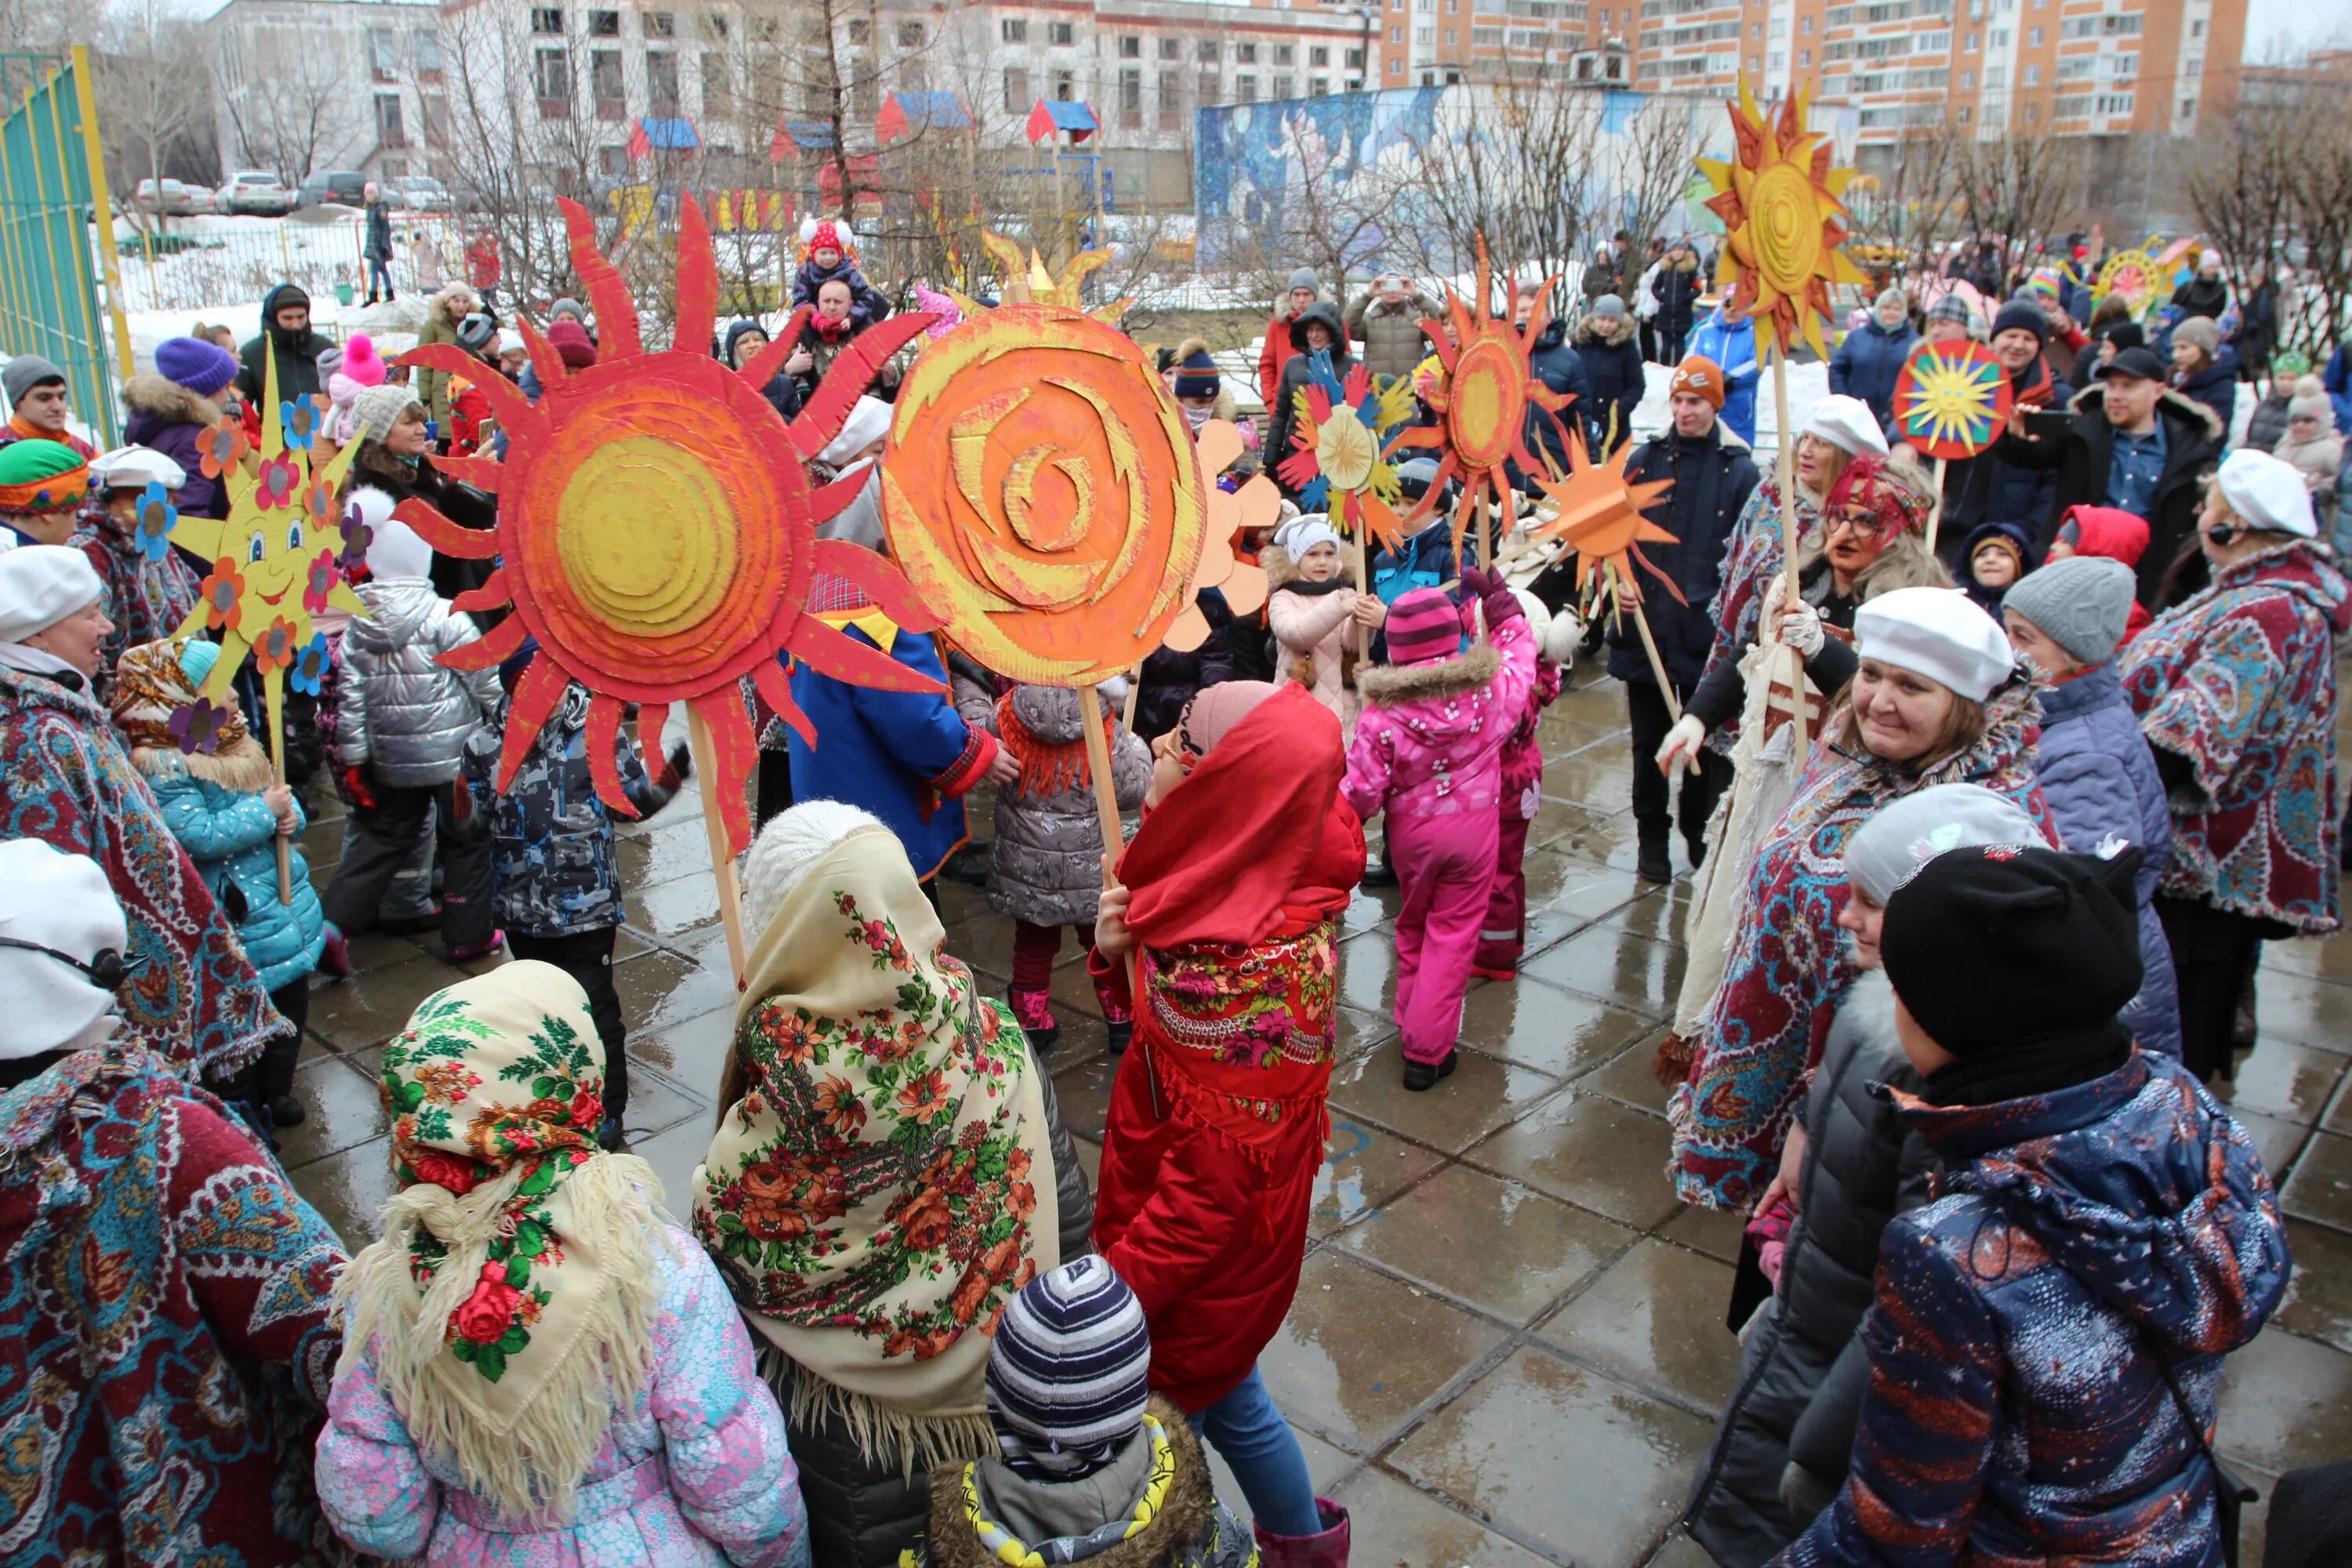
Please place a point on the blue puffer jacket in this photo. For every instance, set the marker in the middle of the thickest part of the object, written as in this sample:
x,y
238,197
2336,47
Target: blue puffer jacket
x,y
1866,363
231,834
2017,1410
1559,367
1732,346
2099,779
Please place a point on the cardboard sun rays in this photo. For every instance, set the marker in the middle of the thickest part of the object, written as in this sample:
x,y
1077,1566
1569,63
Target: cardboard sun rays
x,y
656,535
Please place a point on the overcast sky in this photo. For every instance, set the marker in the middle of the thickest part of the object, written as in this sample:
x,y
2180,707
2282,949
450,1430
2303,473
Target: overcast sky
x,y
2296,25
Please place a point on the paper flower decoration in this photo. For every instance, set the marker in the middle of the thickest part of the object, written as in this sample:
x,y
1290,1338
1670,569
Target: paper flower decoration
x,y
1601,516
1040,487
278,481
273,652
325,571
1951,400
356,537
656,532
222,447
1255,503
309,673
197,726
300,421
1783,223
1343,435
221,596
156,517
1482,398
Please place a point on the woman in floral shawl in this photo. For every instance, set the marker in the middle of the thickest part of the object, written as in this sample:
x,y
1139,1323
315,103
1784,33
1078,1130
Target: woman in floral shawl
x,y
1936,700
880,1182
540,1369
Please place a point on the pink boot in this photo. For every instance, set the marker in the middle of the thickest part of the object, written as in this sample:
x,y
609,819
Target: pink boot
x,y
1327,1550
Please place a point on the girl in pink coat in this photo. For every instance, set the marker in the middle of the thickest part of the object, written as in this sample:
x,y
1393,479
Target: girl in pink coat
x,y
1316,616
1428,751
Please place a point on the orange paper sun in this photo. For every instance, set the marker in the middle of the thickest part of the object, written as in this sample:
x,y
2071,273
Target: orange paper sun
x,y
656,531
1783,223
1256,504
1601,517
1482,399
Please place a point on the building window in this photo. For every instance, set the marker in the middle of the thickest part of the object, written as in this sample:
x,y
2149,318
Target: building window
x,y
1130,47
1246,54
2033,37
1967,80
718,87
1320,87
1060,34
1205,50
605,84
661,82
1065,88
2197,29
1207,89
1286,85
389,132
1449,38
1804,25
427,47
1355,59
1170,48
1964,114
1130,98
661,24
1170,102
1804,58
910,34
860,29
2033,114
551,72
613,163
1396,66
1245,88
436,119
547,19
1014,29
1016,91
1284,54
383,54
714,27
2034,76
1321,55
604,24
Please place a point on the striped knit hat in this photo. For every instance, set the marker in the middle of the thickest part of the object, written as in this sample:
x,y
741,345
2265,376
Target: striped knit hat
x,y
1066,1377
1423,624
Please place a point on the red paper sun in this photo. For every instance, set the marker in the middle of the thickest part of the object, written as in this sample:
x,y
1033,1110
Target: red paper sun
x,y
656,531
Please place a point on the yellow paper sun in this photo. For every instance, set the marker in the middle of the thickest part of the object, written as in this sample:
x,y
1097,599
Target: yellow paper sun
x,y
1783,223
1601,517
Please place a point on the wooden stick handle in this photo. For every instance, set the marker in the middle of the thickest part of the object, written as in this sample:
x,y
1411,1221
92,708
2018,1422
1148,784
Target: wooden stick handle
x,y
1363,585
1785,463
1935,513
1134,691
722,861
1650,647
274,702
1114,841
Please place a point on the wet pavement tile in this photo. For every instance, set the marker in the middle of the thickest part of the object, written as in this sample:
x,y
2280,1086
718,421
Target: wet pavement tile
x,y
1360,1352
2321,1187
2285,1401
373,1004
1713,1232
2289,1082
1593,1151
656,1103
1395,1526
1359,1031
1540,1027
1084,1091
350,1189
1594,891
2320,958
1506,1249
1631,1076
1481,1095
1599,779
1656,1320
693,1051
2312,1012
674,1154
1658,914
673,909
342,1108
2319,1302
2278,1142
1560,1457
1368,972
1616,966
661,988
1363,1167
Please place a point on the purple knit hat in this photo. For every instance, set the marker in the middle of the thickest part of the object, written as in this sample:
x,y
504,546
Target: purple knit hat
x,y
203,368
1423,624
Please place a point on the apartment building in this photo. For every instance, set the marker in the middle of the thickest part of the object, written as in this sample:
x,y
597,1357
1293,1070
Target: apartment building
x,y
303,85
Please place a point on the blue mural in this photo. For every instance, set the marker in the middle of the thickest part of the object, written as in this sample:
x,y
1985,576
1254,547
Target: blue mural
x,y
1249,159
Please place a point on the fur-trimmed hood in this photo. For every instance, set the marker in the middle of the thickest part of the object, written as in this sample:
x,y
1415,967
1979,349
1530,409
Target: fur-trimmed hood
x,y
2093,397
163,399
1394,684
445,303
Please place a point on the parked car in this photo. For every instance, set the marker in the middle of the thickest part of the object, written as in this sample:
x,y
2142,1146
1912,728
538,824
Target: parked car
x,y
346,187
418,194
255,191
172,198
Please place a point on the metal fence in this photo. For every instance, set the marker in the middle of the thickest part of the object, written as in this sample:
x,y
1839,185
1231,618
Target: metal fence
x,y
58,299
181,264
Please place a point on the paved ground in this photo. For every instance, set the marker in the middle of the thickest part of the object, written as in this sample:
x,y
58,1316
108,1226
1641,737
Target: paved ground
x,y
1509,1347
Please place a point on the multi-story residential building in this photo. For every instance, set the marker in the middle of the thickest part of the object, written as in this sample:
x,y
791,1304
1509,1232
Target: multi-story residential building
x,y
303,86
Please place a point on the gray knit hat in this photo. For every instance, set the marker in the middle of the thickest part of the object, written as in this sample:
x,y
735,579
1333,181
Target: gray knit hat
x,y
1889,849
376,410
1304,278
2081,603
25,373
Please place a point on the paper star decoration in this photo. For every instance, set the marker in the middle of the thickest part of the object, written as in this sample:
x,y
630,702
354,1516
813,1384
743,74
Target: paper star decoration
x,y
1344,434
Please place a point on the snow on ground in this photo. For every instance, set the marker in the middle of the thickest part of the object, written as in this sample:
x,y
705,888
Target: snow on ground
x,y
394,327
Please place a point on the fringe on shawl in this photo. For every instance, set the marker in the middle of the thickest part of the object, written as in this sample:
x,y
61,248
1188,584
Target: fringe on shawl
x,y
881,1433
532,1470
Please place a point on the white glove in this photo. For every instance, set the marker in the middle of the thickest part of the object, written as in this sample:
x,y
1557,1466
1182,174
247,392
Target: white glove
x,y
1682,744
1799,628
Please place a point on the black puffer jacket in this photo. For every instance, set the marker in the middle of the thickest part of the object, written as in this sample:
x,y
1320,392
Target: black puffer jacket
x,y
1713,478
1802,1373
1171,677
1294,372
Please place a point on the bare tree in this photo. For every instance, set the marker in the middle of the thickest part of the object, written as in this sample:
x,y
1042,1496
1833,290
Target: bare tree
x,y
295,122
145,107
2272,187
1659,145
1523,168
1907,205
2014,189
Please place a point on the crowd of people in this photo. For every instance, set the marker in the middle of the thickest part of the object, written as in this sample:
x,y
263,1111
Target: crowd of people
x,y
1991,794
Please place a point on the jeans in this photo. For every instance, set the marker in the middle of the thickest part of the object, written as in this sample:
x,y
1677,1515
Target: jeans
x,y
379,268
1249,1431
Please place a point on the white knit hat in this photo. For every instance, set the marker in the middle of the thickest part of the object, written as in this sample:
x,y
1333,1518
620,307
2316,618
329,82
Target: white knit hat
x,y
41,585
1303,533
398,551
1847,422
2267,492
65,903
375,411
793,840
136,468
1938,633
868,422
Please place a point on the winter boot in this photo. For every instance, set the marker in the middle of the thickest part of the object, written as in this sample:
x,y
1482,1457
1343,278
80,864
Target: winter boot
x,y
1420,1075
335,958
1651,861
1122,1035
1326,1548
1034,1013
1378,874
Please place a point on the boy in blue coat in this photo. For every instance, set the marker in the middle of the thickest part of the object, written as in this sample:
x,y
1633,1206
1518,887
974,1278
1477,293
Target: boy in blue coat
x,y
2097,774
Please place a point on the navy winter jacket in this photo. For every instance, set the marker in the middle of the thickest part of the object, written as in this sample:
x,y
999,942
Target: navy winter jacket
x,y
1866,363
1612,379
2216,386
2099,779
1987,487
1559,367
1714,475
866,305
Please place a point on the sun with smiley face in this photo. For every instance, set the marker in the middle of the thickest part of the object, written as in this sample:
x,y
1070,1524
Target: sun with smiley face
x,y
277,559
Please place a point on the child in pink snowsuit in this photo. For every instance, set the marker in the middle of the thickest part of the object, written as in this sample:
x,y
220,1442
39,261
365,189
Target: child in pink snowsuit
x,y
1504,932
1428,751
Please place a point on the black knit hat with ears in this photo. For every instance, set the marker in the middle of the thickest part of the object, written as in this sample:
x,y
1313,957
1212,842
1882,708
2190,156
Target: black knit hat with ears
x,y
1993,945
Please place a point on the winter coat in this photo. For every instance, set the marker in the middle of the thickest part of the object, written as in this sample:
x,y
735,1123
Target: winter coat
x,y
2100,781
66,780
1613,384
462,504
147,600
906,756
1613,271
166,417
232,836
1282,413
1562,369
169,1320
2320,461
1316,634
1430,743
866,305
2337,379
2201,296
401,714
1868,362
2192,447
379,232
1989,488
1732,346
2215,385
1171,677
552,853
783,392
2081,1244
1523,757
1046,866
2258,325
2267,426
1276,352
1964,574
298,356
1676,289
1153,1506
441,319
1714,475
1392,335
2240,682
694,1474
1802,1369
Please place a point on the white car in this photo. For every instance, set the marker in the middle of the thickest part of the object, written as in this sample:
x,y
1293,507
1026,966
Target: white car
x,y
418,194
256,191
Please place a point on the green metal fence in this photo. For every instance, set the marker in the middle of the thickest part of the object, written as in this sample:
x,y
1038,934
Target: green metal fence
x,y
57,295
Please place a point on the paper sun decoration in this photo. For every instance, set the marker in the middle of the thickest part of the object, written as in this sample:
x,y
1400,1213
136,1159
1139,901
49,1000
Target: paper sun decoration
x,y
1344,433
1482,398
1951,400
1059,538
1601,517
1256,504
2133,274
657,531
1783,223
267,555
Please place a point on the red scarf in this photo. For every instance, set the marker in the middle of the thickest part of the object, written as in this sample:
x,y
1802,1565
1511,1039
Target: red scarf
x,y
1046,768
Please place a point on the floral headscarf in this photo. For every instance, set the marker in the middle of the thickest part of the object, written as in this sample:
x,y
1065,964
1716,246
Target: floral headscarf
x,y
1871,485
170,730
511,1300
881,1183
